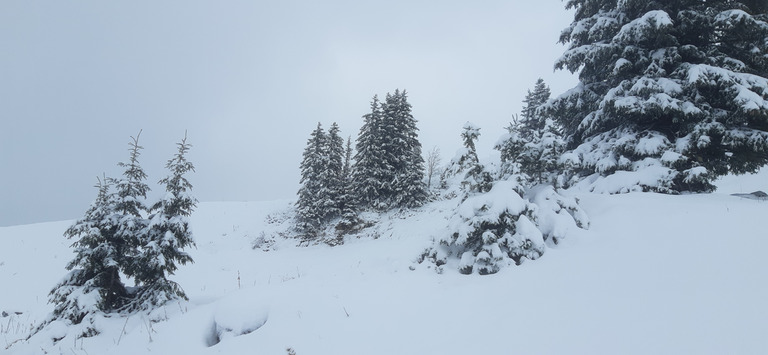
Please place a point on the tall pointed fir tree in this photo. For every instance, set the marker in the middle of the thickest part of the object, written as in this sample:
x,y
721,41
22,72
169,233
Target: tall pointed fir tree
x,y
332,176
93,284
349,217
542,142
532,121
167,234
131,209
403,152
673,90
310,212
371,172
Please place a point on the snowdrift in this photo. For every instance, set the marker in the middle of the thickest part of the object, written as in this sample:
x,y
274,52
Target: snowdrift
x,y
654,274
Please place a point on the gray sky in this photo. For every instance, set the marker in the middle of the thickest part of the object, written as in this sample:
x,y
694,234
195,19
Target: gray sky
x,y
248,80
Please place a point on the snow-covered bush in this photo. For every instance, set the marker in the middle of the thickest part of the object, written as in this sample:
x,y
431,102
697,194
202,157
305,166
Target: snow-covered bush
x,y
498,223
502,227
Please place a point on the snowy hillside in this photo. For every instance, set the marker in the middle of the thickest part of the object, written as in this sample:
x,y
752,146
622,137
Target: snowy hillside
x,y
654,274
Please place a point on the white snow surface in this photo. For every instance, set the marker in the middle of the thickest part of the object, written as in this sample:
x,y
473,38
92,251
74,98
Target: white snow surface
x,y
654,274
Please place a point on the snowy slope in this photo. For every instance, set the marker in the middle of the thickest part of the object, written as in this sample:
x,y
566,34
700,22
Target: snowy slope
x,y
655,274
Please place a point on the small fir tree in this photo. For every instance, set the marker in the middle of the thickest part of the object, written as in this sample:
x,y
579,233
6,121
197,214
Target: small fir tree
x,y
310,209
349,217
93,283
131,210
168,233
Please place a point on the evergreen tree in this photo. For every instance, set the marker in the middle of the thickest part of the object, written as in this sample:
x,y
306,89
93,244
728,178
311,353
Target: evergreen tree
x,y
510,145
542,144
490,229
93,284
349,217
540,154
389,170
310,206
466,165
332,177
131,210
167,234
674,88
403,151
531,120
346,170
371,172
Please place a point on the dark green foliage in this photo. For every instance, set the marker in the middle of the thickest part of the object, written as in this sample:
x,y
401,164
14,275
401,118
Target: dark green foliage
x,y
692,72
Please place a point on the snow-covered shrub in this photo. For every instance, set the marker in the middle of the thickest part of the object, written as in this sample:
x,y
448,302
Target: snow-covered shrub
x,y
498,228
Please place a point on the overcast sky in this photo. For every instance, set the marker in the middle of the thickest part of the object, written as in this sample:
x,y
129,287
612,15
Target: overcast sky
x,y
248,80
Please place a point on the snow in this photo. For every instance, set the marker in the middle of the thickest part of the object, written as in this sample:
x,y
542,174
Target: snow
x,y
635,30
654,274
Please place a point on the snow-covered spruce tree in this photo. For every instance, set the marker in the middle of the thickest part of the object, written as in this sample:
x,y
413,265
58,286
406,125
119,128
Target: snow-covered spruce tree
x,y
349,217
403,152
672,94
168,233
371,174
93,283
464,170
491,226
543,144
310,210
332,176
532,121
510,145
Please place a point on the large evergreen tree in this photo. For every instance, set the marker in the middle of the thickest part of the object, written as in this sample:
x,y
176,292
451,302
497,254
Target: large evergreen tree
x,y
371,172
389,168
168,233
676,89
404,149
332,176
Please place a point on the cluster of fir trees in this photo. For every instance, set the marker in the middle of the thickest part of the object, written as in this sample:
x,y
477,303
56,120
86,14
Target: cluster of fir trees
x,y
676,89
121,235
386,172
325,192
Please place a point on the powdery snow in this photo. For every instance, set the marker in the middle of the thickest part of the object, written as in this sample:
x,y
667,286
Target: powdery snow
x,y
654,274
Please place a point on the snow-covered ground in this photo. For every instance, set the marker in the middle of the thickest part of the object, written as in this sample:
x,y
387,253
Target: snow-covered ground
x,y
654,274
